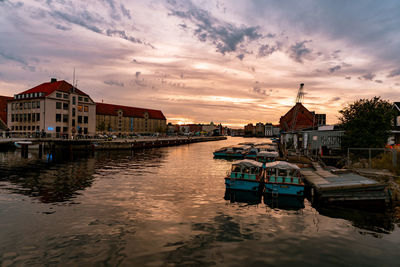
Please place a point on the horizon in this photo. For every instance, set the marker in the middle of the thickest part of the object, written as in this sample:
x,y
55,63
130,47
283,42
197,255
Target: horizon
x,y
228,62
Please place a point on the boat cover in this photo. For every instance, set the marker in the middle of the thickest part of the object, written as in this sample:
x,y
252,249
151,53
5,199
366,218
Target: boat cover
x,y
268,154
282,165
248,163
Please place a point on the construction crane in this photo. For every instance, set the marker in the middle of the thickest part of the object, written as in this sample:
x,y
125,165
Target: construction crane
x,y
299,100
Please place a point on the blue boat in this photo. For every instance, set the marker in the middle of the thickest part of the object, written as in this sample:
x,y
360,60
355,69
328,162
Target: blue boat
x,y
251,153
231,152
245,175
283,178
267,156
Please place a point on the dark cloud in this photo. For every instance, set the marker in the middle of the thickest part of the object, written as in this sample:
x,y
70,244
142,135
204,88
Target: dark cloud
x,y
334,99
85,20
13,57
335,68
266,50
299,51
114,82
137,74
348,77
225,36
123,35
240,56
125,12
368,76
394,73
257,89
62,28
378,81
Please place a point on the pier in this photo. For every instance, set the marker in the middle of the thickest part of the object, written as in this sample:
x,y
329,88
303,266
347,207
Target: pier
x,y
344,186
54,144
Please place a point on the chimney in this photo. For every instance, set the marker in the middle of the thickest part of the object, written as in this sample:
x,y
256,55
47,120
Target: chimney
x,y
53,80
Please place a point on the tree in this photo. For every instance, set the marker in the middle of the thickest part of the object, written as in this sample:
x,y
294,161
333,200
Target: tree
x,y
367,122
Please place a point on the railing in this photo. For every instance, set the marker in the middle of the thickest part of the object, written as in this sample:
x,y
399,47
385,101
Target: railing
x,y
377,158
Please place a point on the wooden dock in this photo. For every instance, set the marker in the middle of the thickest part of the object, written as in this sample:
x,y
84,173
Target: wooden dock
x,y
331,187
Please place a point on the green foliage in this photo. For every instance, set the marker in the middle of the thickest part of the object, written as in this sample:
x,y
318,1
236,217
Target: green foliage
x,y
367,122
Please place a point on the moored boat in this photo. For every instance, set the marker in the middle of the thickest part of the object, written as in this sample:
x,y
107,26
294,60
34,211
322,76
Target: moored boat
x,y
245,175
251,153
266,156
231,152
283,178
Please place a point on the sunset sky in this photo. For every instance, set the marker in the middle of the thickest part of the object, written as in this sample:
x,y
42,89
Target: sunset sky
x,y
230,62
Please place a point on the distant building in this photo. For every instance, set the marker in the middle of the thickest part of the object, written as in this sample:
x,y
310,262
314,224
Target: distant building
x,y
3,111
260,129
55,108
249,130
297,118
124,120
209,128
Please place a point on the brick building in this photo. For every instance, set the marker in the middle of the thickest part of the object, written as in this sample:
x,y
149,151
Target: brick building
x,y
3,111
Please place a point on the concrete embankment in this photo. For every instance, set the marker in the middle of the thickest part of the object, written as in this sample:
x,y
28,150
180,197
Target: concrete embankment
x,y
117,144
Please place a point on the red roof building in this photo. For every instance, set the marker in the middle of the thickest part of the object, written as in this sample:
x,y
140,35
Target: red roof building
x,y
3,111
45,89
124,120
292,122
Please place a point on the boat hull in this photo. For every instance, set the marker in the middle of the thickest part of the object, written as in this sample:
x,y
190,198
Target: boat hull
x,y
228,155
284,189
242,184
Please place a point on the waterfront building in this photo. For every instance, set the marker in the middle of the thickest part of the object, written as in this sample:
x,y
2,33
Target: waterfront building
x,y
125,120
249,130
209,128
299,117
3,111
260,129
55,108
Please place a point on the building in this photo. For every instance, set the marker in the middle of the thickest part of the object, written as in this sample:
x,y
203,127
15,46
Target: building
x,y
320,119
55,108
260,129
396,128
297,118
249,130
124,120
3,111
209,128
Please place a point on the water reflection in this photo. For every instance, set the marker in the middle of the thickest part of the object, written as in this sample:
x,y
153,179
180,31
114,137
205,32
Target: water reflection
x,y
242,196
284,202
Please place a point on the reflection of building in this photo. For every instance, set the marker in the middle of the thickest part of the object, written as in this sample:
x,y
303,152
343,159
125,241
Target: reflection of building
x,y
3,111
124,120
55,107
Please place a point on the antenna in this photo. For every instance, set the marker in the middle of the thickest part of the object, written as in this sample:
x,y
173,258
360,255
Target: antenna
x,y
73,78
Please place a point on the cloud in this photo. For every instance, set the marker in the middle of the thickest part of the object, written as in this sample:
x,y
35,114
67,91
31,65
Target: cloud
x,y
368,76
85,20
335,68
348,77
394,73
299,51
62,28
257,89
378,81
137,74
122,34
266,50
334,99
225,36
114,82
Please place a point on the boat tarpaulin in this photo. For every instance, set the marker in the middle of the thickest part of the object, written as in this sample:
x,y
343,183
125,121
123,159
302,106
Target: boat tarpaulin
x,y
268,154
248,163
283,165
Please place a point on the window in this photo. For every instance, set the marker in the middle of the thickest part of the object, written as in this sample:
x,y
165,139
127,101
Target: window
x,y
85,119
80,108
85,130
86,99
58,129
29,116
79,119
86,108
73,100
29,105
33,117
12,106
26,105
65,96
12,117
25,117
58,105
58,117
65,118
38,104
58,95
12,128
80,98
65,106
73,123
29,127
33,104
37,116
65,129
73,112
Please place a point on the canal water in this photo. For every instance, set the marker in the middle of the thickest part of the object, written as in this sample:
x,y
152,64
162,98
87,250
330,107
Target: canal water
x,y
166,207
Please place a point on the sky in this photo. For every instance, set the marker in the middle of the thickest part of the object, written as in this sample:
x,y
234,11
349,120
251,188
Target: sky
x,y
231,62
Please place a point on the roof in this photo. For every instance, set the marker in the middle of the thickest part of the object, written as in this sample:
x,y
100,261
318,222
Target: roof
x,y
49,87
110,109
3,108
282,165
305,118
248,163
